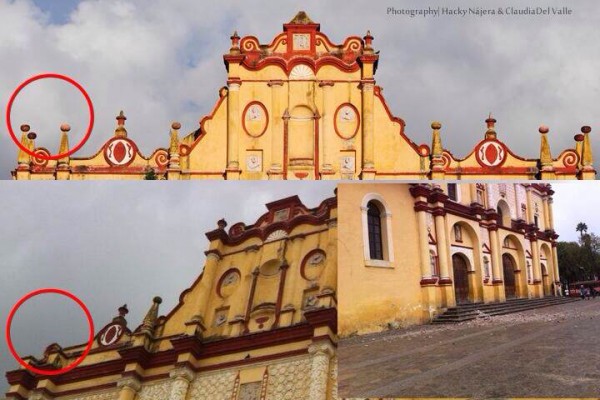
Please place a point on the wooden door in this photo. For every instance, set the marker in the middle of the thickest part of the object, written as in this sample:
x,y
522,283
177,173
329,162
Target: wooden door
x,y
509,276
461,279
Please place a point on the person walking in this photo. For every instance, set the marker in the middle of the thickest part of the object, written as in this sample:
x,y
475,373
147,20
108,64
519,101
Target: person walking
x,y
582,292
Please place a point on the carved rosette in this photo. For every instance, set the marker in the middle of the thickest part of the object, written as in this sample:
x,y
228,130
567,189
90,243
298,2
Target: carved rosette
x,y
321,354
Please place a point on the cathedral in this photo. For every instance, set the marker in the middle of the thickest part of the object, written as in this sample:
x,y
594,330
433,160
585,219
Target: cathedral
x,y
408,252
259,323
301,107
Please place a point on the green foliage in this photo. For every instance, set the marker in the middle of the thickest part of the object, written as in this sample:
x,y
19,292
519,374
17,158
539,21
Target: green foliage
x,y
150,175
580,261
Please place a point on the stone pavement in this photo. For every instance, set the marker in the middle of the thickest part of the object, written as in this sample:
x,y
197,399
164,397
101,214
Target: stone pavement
x,y
548,352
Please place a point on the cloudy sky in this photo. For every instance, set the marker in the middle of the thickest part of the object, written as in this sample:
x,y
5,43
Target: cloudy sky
x,y
112,243
162,61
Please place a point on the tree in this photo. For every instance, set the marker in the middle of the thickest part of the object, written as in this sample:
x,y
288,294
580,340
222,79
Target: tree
x,y
581,228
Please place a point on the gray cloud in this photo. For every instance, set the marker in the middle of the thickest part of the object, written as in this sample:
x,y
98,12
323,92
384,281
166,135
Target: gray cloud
x,y
164,63
112,243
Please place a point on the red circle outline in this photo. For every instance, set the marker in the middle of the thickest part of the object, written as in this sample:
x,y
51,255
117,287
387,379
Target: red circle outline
x,y
305,260
222,278
44,76
264,129
73,364
335,118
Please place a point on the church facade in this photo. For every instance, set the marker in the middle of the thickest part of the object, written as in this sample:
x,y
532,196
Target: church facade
x,y
302,107
408,252
258,323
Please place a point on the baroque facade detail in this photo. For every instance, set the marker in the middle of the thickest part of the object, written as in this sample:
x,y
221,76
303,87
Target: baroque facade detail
x,y
479,248
260,322
302,107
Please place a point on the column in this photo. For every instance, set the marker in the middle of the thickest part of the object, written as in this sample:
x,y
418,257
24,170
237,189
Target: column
x,y
276,124
334,377
233,117
128,388
181,382
368,130
320,354
547,224
555,263
497,281
550,213
328,129
529,205
495,249
442,246
423,245
535,259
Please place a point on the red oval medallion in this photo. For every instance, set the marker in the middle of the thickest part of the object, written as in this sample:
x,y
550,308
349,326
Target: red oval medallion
x,y
119,151
491,153
110,334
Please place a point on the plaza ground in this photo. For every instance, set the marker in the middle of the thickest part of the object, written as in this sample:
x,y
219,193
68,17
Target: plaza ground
x,y
547,352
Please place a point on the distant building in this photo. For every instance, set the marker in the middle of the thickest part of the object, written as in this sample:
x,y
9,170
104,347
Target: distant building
x,y
410,251
302,107
258,323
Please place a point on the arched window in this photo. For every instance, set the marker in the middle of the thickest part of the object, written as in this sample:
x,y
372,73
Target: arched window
x,y
452,192
375,237
376,218
504,217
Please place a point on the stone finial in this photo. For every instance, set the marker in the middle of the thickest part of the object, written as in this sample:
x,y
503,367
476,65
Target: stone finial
x,y
545,154
151,316
174,143
121,118
587,157
368,38
301,18
436,146
437,149
235,43
490,133
123,310
64,144
222,224
23,159
120,130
